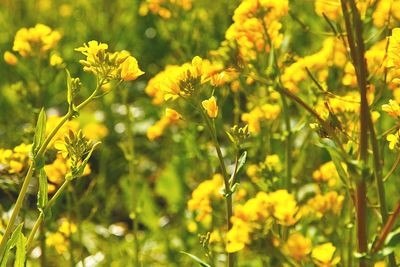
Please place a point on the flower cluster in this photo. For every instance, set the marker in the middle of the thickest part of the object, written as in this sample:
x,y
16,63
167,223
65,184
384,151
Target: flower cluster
x,y
202,196
327,173
164,8
258,214
256,26
265,112
60,239
35,41
109,66
320,204
156,130
15,160
184,80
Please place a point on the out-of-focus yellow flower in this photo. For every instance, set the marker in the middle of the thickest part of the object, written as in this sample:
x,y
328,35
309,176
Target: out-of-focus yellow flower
x,y
192,227
257,215
393,140
381,13
95,131
67,228
15,160
58,241
380,264
394,48
327,173
10,58
323,255
392,108
173,115
163,8
322,204
298,246
130,69
266,112
55,60
155,131
210,105
65,10
37,40
203,195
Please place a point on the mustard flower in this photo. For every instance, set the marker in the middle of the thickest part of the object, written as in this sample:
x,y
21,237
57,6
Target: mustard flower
x,y
210,105
323,255
298,246
10,58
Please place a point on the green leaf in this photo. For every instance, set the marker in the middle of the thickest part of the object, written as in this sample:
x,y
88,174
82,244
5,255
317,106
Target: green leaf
x,y
40,132
11,244
241,161
42,193
21,251
393,238
196,259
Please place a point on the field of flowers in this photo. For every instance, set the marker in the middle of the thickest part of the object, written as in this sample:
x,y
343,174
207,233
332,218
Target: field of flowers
x,y
200,133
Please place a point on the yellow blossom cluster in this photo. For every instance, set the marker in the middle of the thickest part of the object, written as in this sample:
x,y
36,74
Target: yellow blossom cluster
x,y
327,173
59,240
266,112
163,8
322,204
156,130
35,41
183,80
331,53
381,13
258,214
256,26
392,108
202,198
393,140
109,66
297,246
15,160
271,165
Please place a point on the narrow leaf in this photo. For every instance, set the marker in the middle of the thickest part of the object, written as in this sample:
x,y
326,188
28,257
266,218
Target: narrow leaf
x,y
21,251
40,132
10,245
42,193
196,259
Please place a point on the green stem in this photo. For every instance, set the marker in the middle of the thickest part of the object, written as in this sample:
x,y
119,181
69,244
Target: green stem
x,y
288,153
28,177
132,171
42,214
229,202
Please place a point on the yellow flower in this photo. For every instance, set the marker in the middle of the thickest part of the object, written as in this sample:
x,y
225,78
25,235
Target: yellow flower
x,y
211,107
323,255
130,69
95,131
298,246
392,108
172,115
202,196
393,140
10,58
155,131
67,228
380,264
394,48
36,40
55,60
58,241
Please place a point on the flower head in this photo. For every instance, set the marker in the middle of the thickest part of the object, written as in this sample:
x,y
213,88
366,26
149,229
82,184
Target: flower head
x,y
210,105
